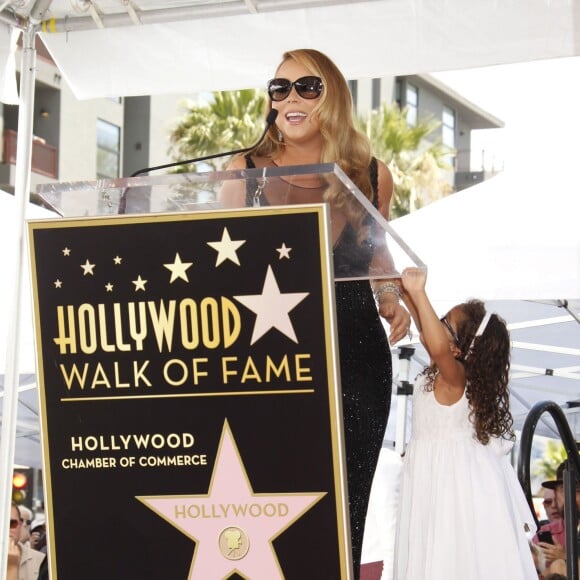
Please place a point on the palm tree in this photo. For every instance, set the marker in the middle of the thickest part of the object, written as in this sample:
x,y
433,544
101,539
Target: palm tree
x,y
545,467
230,120
416,163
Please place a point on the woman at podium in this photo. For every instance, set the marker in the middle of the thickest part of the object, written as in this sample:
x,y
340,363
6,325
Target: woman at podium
x,y
315,125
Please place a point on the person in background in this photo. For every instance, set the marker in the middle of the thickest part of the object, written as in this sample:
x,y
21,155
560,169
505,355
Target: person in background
x,y
14,555
29,560
38,535
539,560
551,536
550,507
315,125
555,551
462,512
26,515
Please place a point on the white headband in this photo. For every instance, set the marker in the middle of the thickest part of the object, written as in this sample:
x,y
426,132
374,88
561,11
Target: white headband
x,y
481,329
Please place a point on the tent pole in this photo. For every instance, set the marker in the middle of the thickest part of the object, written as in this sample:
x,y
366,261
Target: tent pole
x,y
22,195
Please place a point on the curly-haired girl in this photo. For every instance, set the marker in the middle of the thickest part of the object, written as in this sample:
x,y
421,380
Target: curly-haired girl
x,y
462,512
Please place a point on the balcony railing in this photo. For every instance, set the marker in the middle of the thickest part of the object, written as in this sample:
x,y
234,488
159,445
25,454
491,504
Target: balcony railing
x,y
44,157
482,161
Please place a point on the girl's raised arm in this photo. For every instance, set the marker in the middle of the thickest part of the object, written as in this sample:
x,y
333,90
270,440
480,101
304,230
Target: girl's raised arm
x,y
438,341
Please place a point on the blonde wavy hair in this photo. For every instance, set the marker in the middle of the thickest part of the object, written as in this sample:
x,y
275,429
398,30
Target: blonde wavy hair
x,y
342,142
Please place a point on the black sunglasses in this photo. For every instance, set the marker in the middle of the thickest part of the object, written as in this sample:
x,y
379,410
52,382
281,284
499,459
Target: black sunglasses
x,y
450,329
306,87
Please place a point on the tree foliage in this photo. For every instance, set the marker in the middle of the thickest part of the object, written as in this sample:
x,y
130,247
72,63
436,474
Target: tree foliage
x,y
545,467
234,120
231,120
417,164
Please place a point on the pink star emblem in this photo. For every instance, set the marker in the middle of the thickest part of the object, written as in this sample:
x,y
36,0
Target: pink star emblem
x,y
232,526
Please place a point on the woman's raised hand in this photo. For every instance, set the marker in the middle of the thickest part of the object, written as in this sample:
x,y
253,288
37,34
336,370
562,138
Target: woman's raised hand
x,y
398,318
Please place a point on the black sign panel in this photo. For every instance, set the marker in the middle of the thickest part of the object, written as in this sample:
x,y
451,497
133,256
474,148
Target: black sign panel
x,y
188,384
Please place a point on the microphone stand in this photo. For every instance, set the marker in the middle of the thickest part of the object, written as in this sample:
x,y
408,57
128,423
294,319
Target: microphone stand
x,y
269,122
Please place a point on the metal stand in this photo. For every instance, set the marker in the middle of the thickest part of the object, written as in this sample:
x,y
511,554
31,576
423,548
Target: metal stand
x,y
404,390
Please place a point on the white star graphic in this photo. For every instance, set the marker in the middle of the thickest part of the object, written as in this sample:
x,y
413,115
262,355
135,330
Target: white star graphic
x,y
284,252
109,287
242,542
88,268
226,248
272,308
117,260
139,283
178,269
66,251
57,284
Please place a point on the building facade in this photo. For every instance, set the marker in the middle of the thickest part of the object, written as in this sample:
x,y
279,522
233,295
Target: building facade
x,y
424,97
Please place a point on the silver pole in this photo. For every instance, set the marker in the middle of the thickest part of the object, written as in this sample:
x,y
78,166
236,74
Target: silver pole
x,y
22,194
404,391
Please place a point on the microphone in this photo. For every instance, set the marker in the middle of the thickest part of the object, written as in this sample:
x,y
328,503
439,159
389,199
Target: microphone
x,y
269,122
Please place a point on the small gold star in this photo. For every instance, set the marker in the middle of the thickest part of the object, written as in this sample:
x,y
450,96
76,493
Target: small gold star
x,y
178,269
284,251
88,268
139,283
226,248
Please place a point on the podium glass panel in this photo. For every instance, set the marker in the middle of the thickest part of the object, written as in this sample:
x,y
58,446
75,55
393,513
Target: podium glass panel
x,y
364,245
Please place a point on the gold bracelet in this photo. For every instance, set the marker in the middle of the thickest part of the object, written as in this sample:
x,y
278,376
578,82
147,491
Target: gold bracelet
x,y
389,287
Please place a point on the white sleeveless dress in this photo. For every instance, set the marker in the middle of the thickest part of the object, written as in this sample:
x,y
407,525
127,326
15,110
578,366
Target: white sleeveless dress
x,y
462,512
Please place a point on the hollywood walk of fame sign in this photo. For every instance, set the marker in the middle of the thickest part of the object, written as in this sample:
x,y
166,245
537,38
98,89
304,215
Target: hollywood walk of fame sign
x,y
190,408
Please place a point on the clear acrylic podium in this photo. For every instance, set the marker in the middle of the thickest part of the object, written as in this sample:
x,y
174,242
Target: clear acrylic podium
x,y
133,342
358,228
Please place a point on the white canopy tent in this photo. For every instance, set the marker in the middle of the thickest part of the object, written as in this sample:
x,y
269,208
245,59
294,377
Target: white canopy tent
x,y
514,236
114,47
135,47
227,45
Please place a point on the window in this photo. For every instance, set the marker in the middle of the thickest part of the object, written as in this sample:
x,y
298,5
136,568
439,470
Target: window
x,y
448,127
353,86
376,102
108,150
448,133
398,91
412,103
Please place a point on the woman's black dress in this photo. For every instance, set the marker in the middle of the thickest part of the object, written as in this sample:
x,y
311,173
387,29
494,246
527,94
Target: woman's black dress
x,y
366,376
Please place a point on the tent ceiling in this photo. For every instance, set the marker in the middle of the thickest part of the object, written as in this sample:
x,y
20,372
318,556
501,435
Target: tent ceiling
x,y
127,12
146,47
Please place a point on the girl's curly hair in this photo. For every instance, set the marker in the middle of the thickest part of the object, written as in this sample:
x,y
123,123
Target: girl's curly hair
x,y
487,365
